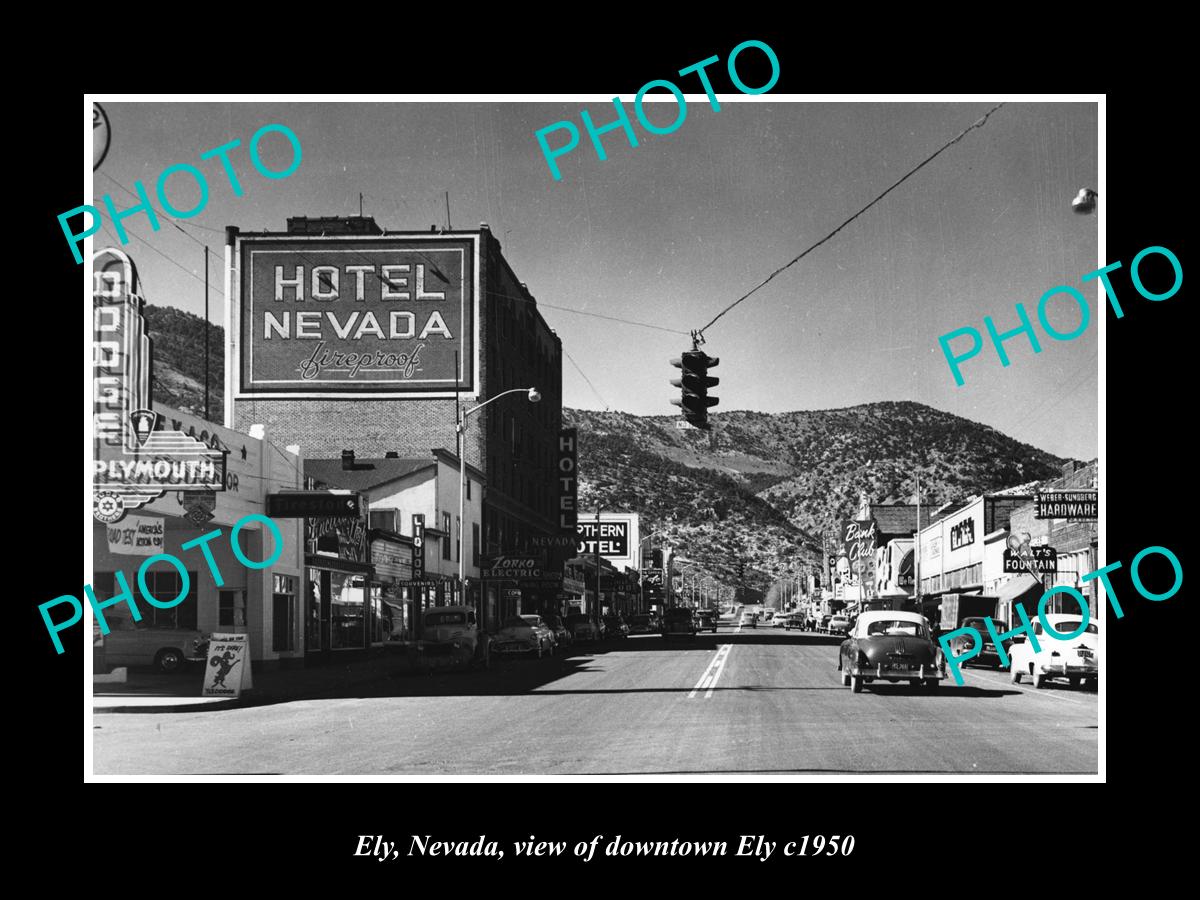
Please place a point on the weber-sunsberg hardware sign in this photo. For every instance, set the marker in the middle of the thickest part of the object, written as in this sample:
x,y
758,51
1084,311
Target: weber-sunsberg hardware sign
x,y
356,316
136,462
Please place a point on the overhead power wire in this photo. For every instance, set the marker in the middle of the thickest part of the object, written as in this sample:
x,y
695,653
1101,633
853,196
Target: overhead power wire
x,y
607,408
977,124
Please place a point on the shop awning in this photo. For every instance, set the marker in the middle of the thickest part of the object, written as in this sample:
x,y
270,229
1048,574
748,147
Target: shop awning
x,y
1019,588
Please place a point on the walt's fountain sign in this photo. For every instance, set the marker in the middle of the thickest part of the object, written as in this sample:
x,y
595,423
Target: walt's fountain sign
x,y
136,463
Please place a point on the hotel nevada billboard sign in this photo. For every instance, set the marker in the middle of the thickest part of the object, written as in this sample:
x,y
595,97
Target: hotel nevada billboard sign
x,y
345,316
136,461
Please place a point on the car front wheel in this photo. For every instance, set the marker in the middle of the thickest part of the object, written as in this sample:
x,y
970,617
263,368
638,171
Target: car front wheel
x,y
1015,675
169,659
856,684
1038,679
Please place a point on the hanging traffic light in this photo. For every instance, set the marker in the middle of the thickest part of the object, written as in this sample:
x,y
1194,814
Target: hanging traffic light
x,y
694,383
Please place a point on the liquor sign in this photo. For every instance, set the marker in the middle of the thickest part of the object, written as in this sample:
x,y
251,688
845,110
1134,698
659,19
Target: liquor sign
x,y
1040,560
311,504
357,316
568,482
1069,505
136,461
418,554
615,536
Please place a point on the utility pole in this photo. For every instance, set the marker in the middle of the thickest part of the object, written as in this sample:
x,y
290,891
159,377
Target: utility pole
x,y
596,616
207,415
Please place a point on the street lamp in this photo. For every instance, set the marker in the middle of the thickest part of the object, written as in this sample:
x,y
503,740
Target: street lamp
x,y
460,428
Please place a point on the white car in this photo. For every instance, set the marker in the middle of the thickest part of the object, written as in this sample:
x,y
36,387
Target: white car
x,y
839,624
1076,660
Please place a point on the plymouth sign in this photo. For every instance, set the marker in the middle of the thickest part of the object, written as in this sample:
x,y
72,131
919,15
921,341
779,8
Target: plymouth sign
x,y
137,461
365,316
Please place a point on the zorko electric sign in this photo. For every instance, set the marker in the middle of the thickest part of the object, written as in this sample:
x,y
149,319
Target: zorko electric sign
x,y
357,316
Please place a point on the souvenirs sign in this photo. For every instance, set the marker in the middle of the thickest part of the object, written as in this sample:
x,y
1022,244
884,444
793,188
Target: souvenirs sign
x,y
357,316
136,461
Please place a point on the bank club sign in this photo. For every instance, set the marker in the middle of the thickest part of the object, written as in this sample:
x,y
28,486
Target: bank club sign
x,y
136,461
357,316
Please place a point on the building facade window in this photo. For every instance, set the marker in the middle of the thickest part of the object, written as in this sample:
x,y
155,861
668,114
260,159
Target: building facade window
x,y
457,539
475,544
446,540
347,611
231,609
163,586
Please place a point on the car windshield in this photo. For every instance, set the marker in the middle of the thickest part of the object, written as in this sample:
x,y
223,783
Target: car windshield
x,y
518,622
578,619
641,620
446,618
679,614
1066,626
896,626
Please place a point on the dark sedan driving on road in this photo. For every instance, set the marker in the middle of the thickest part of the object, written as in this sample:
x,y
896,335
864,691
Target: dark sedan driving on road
x,y
890,645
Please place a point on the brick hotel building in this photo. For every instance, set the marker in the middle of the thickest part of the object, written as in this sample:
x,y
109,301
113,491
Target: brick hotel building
x,y
504,344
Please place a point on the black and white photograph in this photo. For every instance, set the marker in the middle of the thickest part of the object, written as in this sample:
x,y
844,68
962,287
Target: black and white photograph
x,y
702,434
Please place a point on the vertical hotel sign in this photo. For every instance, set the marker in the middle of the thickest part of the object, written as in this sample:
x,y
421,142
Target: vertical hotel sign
x,y
568,481
346,316
134,462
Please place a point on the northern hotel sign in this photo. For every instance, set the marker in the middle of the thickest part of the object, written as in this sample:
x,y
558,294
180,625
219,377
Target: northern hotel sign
x,y
356,316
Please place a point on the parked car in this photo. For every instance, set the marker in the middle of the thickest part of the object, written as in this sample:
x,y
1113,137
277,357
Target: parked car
x,y
615,627
452,631
1076,660
167,649
767,619
523,634
891,645
562,634
987,652
679,620
748,619
795,620
644,624
839,624
705,620
582,628
823,623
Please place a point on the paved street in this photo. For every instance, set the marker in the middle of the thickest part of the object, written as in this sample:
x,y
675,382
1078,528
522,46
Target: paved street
x,y
749,701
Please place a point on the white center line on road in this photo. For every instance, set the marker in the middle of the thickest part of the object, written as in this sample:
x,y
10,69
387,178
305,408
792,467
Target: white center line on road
x,y
709,679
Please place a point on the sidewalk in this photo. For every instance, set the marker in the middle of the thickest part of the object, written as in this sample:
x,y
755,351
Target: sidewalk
x,y
151,692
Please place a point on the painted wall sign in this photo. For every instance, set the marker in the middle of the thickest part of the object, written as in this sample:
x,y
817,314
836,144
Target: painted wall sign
x,y
136,460
357,316
962,534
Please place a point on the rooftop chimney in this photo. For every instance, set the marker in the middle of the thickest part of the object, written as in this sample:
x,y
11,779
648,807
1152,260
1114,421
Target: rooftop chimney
x,y
391,454
347,460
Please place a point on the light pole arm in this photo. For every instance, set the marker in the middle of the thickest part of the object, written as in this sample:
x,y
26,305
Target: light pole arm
x,y
476,409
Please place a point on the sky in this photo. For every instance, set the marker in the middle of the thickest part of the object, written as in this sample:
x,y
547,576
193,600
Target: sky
x,y
670,232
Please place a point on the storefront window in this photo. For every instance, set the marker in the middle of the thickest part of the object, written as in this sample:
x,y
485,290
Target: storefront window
x,y
346,611
312,615
283,613
163,586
